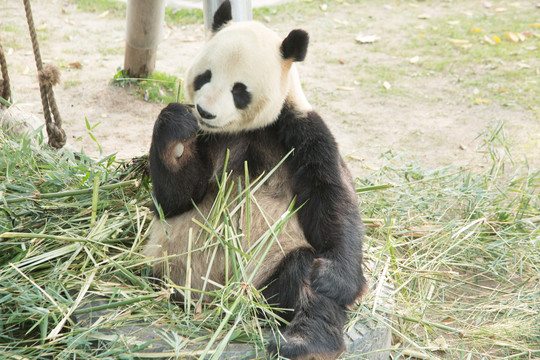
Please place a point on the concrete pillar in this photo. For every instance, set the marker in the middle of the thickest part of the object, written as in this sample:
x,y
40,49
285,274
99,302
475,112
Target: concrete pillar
x,y
241,11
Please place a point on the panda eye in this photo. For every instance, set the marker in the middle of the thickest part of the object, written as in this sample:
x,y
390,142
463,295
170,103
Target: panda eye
x,y
239,88
202,79
242,97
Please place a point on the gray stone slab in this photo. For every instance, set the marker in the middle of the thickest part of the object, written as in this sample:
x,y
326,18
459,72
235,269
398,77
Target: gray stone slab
x,y
365,339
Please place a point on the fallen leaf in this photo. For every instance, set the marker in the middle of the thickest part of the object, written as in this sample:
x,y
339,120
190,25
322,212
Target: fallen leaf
x,y
497,39
341,61
515,37
458,41
75,65
501,90
367,39
481,101
489,40
512,36
465,44
103,14
441,343
415,354
535,25
475,30
422,230
26,70
167,34
341,22
198,309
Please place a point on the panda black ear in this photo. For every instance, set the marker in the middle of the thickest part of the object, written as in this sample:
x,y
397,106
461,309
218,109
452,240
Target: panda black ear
x,y
222,16
294,47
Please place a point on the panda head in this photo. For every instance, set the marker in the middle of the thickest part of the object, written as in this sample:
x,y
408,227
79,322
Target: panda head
x,y
243,75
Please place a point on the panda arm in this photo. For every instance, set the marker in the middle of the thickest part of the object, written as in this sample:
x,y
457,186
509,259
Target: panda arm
x,y
177,166
329,210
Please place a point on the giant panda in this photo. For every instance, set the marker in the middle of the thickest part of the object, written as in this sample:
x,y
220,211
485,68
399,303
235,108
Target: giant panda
x,y
249,108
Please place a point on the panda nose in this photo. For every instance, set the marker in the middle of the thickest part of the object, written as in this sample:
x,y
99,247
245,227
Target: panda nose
x,y
205,114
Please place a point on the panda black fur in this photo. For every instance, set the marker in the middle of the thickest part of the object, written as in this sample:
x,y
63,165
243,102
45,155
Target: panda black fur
x,y
248,100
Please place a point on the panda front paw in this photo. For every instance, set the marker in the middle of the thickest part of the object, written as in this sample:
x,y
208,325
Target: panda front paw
x,y
173,139
175,122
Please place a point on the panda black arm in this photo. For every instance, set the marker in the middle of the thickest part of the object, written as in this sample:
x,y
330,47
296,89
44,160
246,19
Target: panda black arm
x,y
329,216
177,167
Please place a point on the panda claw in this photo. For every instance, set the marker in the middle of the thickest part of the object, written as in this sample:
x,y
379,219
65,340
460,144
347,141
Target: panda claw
x,y
297,351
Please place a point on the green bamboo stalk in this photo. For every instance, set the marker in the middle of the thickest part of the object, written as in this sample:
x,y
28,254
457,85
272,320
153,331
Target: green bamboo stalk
x,y
94,199
61,194
116,304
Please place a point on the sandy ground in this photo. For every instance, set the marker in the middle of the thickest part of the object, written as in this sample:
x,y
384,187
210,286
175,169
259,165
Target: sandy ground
x,y
437,127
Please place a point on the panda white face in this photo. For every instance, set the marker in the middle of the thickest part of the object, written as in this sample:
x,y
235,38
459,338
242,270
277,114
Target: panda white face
x,y
240,79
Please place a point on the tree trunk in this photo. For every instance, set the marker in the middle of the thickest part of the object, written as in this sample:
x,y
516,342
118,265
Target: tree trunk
x,y
144,24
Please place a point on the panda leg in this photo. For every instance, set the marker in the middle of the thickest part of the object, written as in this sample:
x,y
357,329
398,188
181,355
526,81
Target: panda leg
x,y
316,331
316,328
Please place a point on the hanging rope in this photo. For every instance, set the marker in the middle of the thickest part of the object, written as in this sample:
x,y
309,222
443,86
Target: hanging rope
x,y
5,87
48,76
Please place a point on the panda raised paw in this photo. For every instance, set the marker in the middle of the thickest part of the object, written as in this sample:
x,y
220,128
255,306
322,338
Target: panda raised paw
x,y
174,135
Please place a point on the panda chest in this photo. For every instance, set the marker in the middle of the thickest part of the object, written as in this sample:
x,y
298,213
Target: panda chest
x,y
255,163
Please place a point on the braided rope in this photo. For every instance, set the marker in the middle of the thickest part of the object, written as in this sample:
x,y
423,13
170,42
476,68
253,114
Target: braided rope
x,y
5,87
57,136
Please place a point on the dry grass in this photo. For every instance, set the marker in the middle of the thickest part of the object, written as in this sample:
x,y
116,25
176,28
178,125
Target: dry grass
x,y
463,251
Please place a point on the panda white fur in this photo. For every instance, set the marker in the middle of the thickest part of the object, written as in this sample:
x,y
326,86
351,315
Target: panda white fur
x,y
248,101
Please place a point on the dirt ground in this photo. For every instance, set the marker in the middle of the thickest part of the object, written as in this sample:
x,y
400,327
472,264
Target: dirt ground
x,y
433,122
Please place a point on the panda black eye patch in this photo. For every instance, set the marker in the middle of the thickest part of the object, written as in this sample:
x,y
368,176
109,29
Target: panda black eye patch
x,y
241,96
202,79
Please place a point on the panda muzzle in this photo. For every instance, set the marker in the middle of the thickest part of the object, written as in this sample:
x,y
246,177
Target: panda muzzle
x,y
205,114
